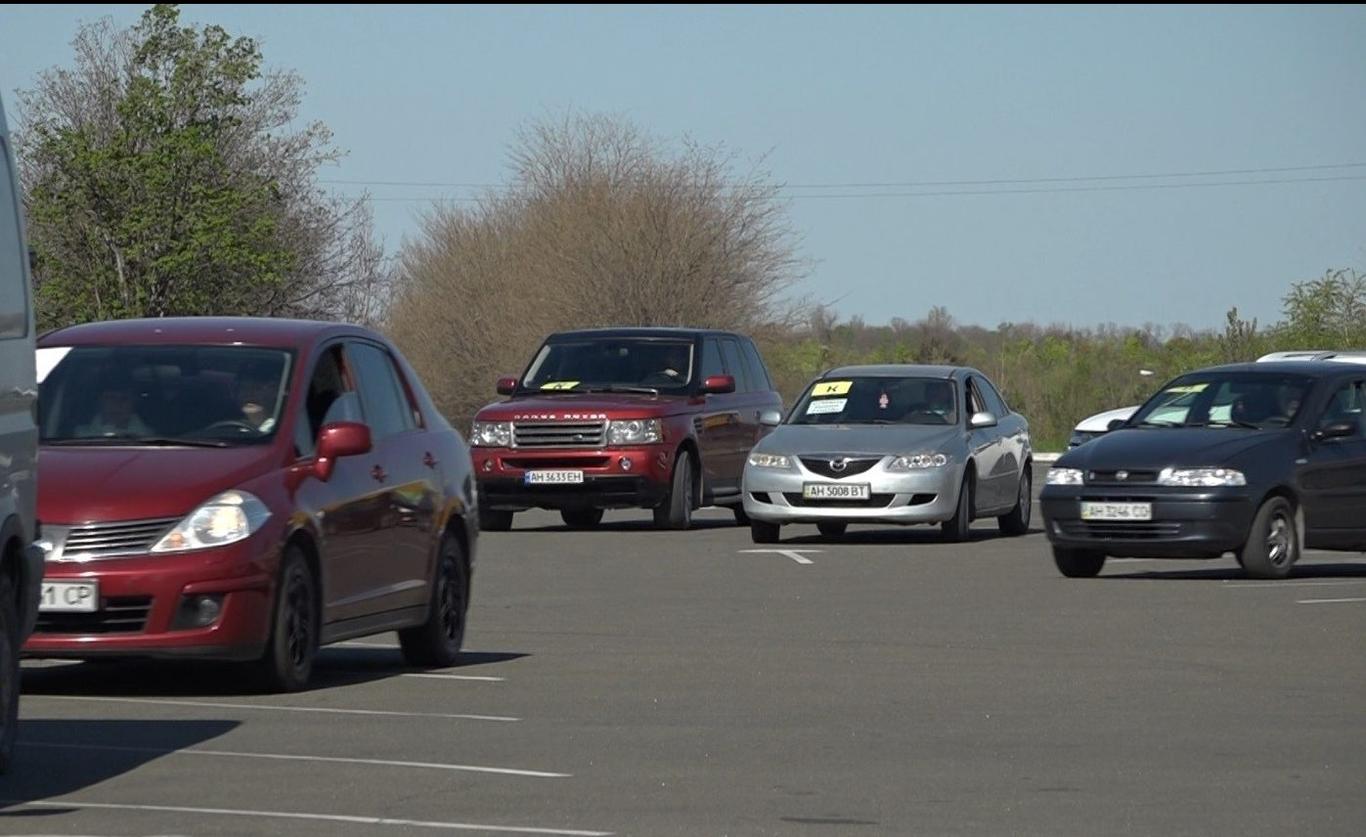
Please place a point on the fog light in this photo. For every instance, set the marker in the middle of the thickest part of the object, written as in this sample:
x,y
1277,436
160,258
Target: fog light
x,y
198,611
488,466
625,464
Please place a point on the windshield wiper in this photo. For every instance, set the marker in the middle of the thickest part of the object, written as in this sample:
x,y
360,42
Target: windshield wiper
x,y
137,441
1232,423
1147,423
622,388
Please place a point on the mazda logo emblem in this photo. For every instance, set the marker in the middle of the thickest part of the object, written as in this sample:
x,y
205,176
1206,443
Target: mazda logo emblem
x,y
839,464
1121,475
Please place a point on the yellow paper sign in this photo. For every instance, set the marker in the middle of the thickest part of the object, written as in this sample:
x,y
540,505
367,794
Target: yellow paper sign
x,y
560,385
825,389
1189,388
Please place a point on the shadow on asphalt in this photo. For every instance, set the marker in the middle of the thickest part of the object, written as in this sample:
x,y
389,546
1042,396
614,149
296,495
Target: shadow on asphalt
x,y
908,536
58,757
1301,572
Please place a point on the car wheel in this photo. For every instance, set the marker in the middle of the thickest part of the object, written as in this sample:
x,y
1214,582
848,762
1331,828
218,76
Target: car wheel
x,y
763,532
1273,543
958,528
676,510
1016,522
832,530
495,520
437,641
741,516
293,642
581,518
9,673
1078,563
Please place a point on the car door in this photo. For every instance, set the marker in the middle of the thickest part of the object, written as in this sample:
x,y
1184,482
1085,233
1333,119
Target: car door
x,y
18,386
396,572
1012,439
985,444
1333,479
715,425
766,398
747,402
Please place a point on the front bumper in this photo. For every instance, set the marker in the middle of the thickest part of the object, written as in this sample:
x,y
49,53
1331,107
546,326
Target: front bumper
x,y
156,586
1184,524
927,496
613,478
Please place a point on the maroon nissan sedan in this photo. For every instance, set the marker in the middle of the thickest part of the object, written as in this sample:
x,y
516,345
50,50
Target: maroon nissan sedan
x,y
246,489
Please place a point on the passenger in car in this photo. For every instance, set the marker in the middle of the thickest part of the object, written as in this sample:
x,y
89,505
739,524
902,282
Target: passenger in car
x,y
116,414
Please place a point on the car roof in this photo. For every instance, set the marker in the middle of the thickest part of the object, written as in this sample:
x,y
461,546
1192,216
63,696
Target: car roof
x,y
642,331
1311,368
896,370
255,331
1348,356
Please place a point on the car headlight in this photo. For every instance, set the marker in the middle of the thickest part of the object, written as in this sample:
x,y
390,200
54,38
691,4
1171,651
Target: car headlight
x,y
1200,477
1063,476
228,518
634,432
770,460
918,462
491,434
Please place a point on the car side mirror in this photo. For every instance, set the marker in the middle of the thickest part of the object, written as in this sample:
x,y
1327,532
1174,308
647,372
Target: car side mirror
x,y
507,385
981,420
770,418
342,438
1115,424
1337,430
718,385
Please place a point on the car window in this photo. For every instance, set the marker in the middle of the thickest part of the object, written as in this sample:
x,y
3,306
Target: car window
x,y
330,399
758,374
1225,399
386,405
975,404
711,359
13,287
735,365
878,400
1345,407
606,363
995,403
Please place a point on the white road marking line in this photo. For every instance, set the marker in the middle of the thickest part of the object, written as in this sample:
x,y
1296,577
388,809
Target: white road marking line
x,y
794,554
466,768
291,815
1272,584
357,644
1329,601
1143,561
275,708
439,676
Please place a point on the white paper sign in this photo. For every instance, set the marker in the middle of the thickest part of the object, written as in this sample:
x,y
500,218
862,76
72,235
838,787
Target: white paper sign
x,y
825,406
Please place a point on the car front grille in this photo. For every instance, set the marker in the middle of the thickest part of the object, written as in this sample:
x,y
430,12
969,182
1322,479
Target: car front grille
x,y
850,466
874,501
118,615
118,539
559,434
1119,530
1112,477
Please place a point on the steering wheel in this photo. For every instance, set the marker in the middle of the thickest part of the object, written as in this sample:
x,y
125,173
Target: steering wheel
x,y
235,424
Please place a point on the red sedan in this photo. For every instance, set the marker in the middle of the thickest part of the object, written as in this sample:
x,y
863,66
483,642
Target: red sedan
x,y
246,489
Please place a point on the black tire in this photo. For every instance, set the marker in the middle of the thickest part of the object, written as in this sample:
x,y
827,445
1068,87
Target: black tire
x,y
832,529
1016,521
581,518
293,643
495,520
1078,563
437,642
9,673
676,510
958,528
1273,542
741,516
764,532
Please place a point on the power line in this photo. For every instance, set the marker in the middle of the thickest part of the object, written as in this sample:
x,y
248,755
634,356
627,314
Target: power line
x,y
964,192
915,183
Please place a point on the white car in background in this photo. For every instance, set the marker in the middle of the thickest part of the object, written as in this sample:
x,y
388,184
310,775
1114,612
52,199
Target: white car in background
x,y
1098,425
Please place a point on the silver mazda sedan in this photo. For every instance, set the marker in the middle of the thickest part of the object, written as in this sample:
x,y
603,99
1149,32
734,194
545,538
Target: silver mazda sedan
x,y
892,444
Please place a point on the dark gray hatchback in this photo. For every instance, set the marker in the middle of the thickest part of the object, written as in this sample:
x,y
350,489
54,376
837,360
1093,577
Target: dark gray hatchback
x,y
1261,461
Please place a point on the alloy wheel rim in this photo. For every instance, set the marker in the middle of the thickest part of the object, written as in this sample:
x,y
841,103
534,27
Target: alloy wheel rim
x,y
449,596
1278,540
299,622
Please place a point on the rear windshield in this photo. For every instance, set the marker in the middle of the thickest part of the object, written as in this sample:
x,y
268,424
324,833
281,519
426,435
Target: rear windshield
x,y
929,401
130,395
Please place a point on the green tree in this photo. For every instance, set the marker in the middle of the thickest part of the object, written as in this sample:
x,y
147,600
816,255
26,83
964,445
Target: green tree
x,y
1326,313
161,178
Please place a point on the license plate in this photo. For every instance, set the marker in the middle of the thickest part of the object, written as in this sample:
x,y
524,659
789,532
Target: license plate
x,y
553,477
70,597
831,491
1116,511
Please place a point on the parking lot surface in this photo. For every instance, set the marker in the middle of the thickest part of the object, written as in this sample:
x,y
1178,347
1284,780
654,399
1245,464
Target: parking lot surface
x,y
628,681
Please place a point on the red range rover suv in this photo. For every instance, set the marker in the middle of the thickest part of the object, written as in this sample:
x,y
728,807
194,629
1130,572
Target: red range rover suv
x,y
246,489
656,418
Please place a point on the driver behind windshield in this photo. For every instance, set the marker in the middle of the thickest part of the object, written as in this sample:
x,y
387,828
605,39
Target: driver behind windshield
x,y
257,388
673,369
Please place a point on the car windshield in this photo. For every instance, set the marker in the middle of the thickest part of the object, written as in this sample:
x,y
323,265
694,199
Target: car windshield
x,y
138,395
1235,400
878,400
611,364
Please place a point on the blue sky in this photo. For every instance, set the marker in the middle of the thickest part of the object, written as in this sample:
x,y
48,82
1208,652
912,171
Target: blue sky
x,y
873,95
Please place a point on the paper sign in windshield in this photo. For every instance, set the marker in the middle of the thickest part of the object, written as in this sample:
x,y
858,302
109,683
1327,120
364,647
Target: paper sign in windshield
x,y
1189,388
560,385
826,406
825,389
